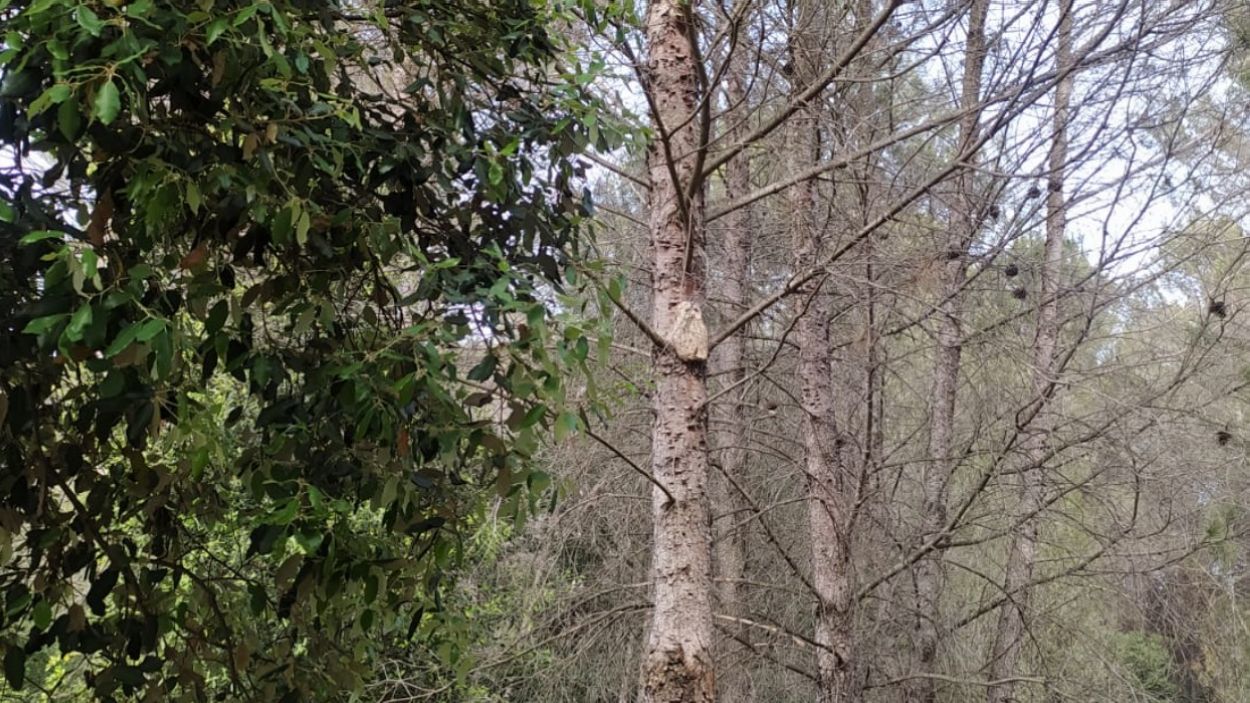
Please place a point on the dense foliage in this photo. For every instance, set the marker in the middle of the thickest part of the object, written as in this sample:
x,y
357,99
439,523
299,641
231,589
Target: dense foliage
x,y
273,318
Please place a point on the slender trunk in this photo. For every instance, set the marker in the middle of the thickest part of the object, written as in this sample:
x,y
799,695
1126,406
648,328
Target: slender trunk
x,y
828,511
827,482
677,665
961,228
867,115
734,683
1011,623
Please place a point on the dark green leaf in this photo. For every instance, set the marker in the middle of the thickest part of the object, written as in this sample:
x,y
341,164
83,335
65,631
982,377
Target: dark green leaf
x,y
107,102
41,235
483,369
123,340
88,20
15,666
68,119
78,322
101,587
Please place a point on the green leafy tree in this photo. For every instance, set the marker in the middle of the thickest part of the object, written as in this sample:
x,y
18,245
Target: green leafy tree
x,y
274,307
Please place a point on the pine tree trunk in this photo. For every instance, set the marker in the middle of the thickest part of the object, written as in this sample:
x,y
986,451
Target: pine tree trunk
x,y
827,482
734,681
1009,637
828,512
677,664
962,223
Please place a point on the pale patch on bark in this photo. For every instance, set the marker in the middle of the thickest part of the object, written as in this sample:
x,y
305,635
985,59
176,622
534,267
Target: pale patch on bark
x,y
688,335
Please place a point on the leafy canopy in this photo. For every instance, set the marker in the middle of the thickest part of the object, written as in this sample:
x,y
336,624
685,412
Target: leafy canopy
x,y
273,314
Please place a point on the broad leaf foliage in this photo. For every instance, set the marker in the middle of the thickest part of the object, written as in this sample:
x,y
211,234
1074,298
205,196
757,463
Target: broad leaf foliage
x,y
274,304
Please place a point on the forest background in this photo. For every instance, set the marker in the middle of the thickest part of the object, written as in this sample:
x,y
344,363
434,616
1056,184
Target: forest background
x,y
600,350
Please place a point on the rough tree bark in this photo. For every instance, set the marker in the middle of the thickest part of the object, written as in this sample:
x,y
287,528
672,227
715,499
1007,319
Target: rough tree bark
x,y
677,665
731,438
1008,639
827,480
961,227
